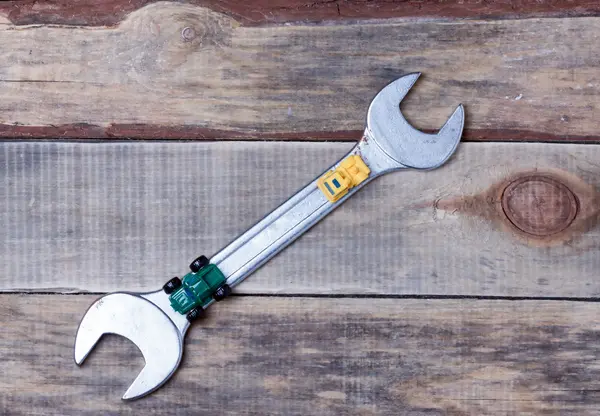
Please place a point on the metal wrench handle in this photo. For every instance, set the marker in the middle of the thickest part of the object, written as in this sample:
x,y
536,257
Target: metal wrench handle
x,y
286,223
240,258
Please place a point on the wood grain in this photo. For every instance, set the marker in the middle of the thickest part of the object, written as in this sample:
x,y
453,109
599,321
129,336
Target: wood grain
x,y
303,356
110,12
128,216
519,79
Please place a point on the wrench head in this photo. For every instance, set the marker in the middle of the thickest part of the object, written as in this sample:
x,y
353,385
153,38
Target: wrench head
x,y
398,139
144,324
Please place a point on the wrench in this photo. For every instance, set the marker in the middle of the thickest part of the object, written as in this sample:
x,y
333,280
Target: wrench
x,y
150,320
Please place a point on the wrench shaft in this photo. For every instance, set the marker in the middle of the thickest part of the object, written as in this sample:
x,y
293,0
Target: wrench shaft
x,y
286,223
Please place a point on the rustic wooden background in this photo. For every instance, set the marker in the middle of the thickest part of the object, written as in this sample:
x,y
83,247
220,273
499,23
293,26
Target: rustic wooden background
x,y
139,134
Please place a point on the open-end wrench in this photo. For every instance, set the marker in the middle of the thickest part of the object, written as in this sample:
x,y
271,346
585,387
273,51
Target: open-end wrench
x,y
157,321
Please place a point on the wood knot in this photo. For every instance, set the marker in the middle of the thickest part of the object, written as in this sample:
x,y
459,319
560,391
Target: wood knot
x,y
539,205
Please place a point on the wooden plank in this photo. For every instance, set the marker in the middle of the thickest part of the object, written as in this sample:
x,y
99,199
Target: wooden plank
x,y
259,356
102,217
110,12
183,71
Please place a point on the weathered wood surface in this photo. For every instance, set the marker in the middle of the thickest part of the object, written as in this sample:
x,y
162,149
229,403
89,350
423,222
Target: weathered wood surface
x,y
101,217
303,356
110,12
518,220
173,70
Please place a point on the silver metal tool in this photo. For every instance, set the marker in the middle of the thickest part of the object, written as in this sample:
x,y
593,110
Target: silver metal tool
x,y
388,144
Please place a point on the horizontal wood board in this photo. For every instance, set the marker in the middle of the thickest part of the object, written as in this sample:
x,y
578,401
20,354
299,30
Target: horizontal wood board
x,y
268,356
101,217
110,12
172,70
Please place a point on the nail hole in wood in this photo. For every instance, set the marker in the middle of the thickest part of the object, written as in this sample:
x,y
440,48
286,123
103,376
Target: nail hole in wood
x,y
188,34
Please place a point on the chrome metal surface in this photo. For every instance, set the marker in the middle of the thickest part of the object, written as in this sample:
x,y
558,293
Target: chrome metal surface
x,y
148,327
388,144
402,142
282,226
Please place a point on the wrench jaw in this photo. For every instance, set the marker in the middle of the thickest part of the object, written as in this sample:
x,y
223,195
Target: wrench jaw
x,y
407,146
146,382
452,130
143,323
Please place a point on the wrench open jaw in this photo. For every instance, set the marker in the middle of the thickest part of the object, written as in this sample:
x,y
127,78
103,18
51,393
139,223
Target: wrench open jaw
x,y
150,321
135,317
402,142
